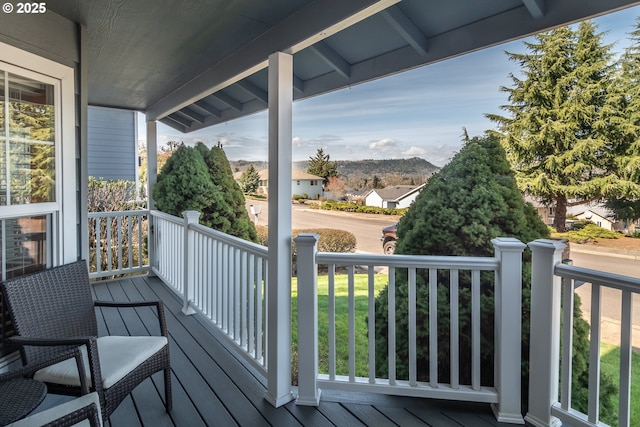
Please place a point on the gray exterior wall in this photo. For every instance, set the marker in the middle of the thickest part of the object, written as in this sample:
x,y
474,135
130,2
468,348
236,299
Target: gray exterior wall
x,y
112,152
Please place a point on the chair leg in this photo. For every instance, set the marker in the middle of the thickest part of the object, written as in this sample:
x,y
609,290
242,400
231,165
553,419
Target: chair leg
x,y
168,403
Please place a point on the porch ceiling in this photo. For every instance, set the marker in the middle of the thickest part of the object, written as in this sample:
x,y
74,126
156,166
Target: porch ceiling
x,y
199,63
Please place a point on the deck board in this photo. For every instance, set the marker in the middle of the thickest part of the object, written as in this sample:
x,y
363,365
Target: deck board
x,y
212,386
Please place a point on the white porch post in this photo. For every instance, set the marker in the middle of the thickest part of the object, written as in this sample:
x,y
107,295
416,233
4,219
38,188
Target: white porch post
x,y
508,330
308,392
544,341
279,285
152,175
190,217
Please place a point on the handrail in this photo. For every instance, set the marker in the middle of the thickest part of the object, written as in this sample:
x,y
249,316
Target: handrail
x,y
505,395
116,243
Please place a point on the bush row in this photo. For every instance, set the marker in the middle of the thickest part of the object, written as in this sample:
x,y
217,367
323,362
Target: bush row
x,y
351,207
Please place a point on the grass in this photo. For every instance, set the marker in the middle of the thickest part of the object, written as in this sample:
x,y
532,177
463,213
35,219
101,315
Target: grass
x,y
610,364
361,302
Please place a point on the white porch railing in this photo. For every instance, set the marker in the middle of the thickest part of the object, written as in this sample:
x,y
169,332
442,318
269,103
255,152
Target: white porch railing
x,y
117,242
507,265
552,297
219,275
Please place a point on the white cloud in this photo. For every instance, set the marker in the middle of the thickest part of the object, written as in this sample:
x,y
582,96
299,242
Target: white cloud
x,y
414,151
386,144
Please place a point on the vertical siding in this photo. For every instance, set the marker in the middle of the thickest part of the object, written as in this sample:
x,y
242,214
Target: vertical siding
x,y
112,152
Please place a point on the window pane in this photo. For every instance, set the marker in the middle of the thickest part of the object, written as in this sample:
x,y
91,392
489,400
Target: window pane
x,y
25,246
30,121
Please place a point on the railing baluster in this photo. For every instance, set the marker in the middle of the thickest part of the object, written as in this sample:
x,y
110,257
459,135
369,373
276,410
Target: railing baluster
x,y
433,327
594,354
454,329
626,348
391,290
412,328
371,297
475,329
352,324
567,346
331,306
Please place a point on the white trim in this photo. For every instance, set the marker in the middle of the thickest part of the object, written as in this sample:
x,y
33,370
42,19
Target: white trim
x,y
62,77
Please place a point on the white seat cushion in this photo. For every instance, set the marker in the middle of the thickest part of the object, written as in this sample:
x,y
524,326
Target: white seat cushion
x,y
118,357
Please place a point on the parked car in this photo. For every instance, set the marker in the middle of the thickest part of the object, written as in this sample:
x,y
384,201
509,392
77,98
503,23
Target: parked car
x,y
389,239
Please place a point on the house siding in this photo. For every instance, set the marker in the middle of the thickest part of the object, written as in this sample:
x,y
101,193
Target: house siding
x,y
112,144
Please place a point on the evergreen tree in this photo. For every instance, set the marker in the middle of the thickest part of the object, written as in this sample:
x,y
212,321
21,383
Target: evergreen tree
x,y
626,206
558,136
322,166
249,180
184,183
227,212
472,200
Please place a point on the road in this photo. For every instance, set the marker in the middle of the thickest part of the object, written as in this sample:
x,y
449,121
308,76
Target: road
x,y
611,298
366,227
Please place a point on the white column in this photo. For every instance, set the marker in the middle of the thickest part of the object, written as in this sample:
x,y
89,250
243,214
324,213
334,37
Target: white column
x,y
308,392
279,284
152,175
508,330
544,341
188,267
152,160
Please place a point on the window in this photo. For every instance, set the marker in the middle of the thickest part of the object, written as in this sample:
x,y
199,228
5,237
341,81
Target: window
x,y
38,182
27,140
298,182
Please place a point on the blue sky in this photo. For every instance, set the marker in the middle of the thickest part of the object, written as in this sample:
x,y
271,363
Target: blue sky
x,y
418,113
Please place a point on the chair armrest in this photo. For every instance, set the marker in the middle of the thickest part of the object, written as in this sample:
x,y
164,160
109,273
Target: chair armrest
x,y
132,304
92,353
67,414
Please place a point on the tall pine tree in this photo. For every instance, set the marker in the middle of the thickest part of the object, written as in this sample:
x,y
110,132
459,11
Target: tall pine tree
x,y
626,205
321,165
559,132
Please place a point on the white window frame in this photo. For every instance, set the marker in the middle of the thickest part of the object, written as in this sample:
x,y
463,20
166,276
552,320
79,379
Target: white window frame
x,y
64,232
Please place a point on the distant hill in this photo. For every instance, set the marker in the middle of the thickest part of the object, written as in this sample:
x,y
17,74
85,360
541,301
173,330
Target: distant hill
x,y
359,172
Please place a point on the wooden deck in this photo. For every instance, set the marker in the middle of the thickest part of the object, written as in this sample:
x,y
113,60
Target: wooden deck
x,y
212,387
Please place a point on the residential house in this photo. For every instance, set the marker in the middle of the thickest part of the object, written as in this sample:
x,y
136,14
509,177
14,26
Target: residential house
x,y
301,183
393,196
191,65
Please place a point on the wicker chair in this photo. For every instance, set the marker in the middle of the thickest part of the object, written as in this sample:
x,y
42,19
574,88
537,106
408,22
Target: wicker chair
x,y
53,311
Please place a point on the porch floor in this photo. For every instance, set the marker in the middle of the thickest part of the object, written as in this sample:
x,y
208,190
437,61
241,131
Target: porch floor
x,y
213,387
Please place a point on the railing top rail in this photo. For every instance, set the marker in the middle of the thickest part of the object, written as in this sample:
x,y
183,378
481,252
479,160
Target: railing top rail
x,y
610,280
118,213
167,217
232,240
409,261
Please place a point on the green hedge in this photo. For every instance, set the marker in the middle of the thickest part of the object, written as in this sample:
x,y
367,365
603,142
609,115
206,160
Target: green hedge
x,y
351,207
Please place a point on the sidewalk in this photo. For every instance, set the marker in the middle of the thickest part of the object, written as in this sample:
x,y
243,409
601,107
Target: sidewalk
x,y
609,327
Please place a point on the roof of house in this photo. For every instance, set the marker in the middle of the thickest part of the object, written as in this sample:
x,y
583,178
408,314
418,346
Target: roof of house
x,y
295,174
397,192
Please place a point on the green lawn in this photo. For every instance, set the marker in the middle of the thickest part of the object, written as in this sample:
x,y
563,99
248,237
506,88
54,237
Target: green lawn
x,y
342,321
610,364
610,355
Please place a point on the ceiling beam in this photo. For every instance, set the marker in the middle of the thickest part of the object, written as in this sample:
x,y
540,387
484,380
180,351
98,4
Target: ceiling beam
x,y
254,90
202,104
332,58
181,120
191,115
535,8
298,84
229,100
315,22
405,27
171,121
